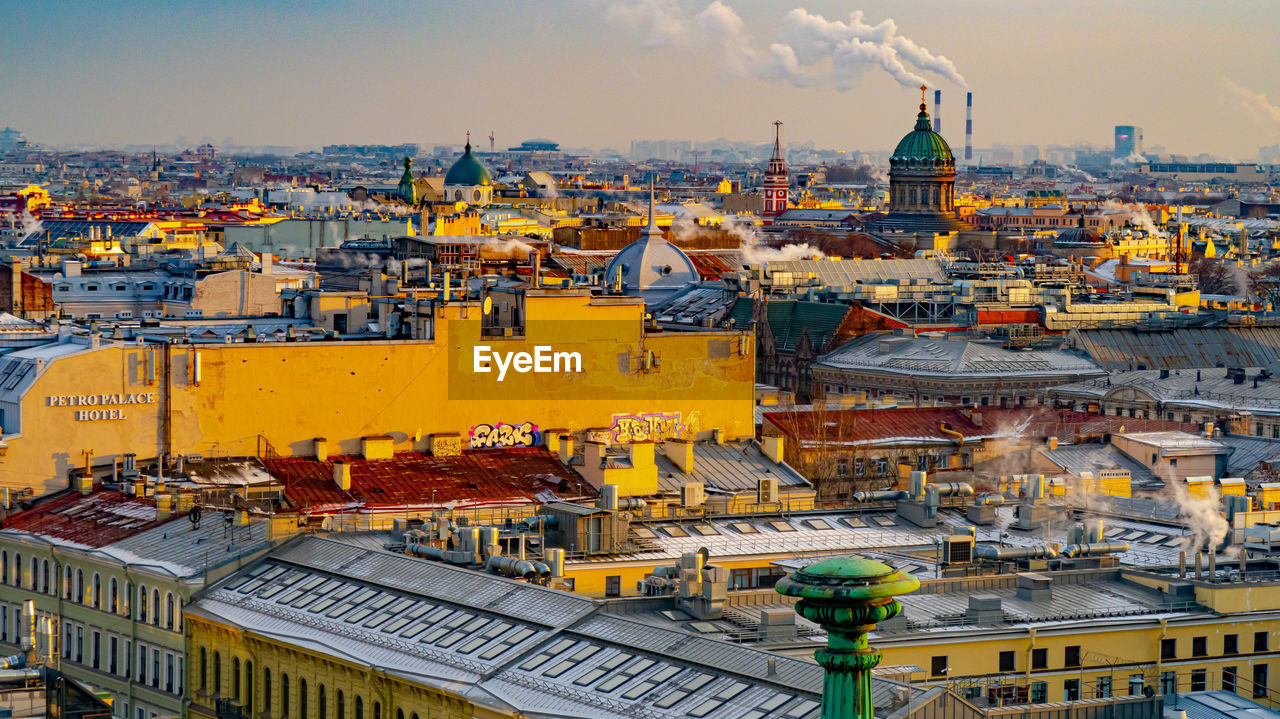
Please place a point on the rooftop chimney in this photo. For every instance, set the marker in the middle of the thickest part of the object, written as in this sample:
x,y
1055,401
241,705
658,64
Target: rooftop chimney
x,y
342,475
968,126
680,452
937,111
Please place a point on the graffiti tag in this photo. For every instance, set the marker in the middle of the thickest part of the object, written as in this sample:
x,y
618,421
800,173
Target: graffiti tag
x,y
653,427
487,436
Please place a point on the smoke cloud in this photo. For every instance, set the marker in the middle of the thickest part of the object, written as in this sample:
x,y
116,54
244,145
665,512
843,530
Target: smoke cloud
x,y
31,225
509,248
1203,516
755,252
1255,103
810,50
1138,215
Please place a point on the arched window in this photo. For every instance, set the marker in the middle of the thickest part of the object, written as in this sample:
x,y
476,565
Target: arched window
x,y
126,607
97,591
322,707
377,710
457,195
235,678
217,673
168,610
4,570
342,705
302,698
79,586
359,707
266,691
142,604
66,582
399,714
913,195
284,694
35,573
155,607
114,596
44,577
17,569
248,685
204,668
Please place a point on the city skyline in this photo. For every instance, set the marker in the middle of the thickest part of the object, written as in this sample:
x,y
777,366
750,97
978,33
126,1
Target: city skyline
x,y
265,75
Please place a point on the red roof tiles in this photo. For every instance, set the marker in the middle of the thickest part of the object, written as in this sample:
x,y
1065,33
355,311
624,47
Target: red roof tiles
x,y
415,478
95,520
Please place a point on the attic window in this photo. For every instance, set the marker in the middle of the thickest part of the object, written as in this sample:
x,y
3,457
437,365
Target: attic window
x,y
745,527
781,526
706,530
817,524
675,531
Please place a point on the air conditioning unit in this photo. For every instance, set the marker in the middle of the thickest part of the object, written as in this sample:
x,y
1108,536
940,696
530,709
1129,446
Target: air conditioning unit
x,y
693,494
767,490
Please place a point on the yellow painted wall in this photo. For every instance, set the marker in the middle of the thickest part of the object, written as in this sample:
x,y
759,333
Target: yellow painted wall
x,y
291,393
268,654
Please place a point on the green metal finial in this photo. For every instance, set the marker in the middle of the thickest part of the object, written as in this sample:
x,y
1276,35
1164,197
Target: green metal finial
x,y
847,596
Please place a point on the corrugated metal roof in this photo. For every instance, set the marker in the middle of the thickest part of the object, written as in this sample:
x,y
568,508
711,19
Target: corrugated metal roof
x,y
789,320
730,467
846,273
415,478
1184,348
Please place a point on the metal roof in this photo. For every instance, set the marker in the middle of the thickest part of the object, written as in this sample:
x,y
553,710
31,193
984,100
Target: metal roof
x,y
415,478
846,273
729,467
503,643
1183,348
934,357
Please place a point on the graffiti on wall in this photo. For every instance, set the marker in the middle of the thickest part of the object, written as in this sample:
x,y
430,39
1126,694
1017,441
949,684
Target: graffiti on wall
x,y
489,436
652,427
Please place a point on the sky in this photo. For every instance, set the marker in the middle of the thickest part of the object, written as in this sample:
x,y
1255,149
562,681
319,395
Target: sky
x,y
1197,76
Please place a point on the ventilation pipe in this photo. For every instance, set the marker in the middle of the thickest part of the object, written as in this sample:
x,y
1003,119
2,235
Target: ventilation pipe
x,y
988,500
880,495
555,559
631,504
1094,549
510,566
991,551
426,551
953,489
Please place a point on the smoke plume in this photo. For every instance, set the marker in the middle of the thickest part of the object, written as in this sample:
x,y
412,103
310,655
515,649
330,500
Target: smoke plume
x,y
809,51
1203,516
509,247
1255,103
1138,215
31,225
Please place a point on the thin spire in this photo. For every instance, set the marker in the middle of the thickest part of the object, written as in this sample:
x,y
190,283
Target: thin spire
x,y
777,139
467,149
651,232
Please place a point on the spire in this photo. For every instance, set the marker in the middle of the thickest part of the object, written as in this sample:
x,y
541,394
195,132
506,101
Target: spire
x,y
651,233
777,139
922,120
467,150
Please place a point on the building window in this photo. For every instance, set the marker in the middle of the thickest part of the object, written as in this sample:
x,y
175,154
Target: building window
x,y
842,468
97,650
1071,657
142,664
248,685
1259,680
168,610
1259,641
1039,658
155,667
1039,692
168,672
1231,644
44,569
302,698
359,707
155,607
1199,646
612,588
938,667
1199,680
322,707
342,705
1071,690
142,604
284,694
204,668
1007,661
1229,679
882,466
235,678
217,673
113,653
1103,688
1168,683
97,591
859,467
1168,648
266,691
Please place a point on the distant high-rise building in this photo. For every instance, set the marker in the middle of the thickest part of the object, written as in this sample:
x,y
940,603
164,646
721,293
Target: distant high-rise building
x,y
11,139
776,184
1128,140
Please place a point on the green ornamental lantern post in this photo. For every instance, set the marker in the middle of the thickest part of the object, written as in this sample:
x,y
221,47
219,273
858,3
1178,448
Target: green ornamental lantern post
x,y
847,596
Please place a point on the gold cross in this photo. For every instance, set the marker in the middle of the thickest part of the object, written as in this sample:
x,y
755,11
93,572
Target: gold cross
x,y
922,89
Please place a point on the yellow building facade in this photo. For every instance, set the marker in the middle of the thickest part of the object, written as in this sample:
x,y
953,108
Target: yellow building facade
x,y
90,403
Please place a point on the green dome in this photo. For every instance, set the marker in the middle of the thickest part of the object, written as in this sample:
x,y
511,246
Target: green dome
x,y
923,145
467,171
847,578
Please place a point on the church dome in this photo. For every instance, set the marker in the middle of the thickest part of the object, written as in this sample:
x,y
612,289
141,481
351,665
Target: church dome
x,y
651,266
922,147
467,171
1079,235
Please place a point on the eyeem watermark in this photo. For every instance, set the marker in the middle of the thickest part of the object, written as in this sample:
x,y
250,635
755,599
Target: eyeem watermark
x,y
541,361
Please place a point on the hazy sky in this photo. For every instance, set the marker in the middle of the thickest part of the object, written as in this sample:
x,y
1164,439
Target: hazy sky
x,y
1197,76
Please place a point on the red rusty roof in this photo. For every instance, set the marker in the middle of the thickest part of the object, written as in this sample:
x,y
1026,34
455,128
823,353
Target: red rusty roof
x,y
415,478
924,424
95,519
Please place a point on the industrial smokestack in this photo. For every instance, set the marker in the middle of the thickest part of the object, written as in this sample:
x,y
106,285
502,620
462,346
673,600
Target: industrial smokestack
x,y
937,111
968,126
